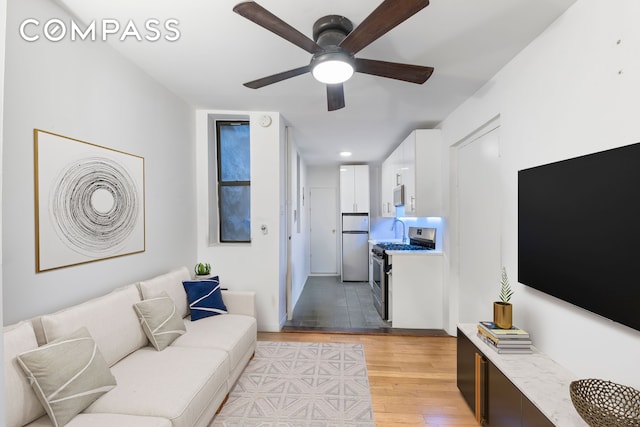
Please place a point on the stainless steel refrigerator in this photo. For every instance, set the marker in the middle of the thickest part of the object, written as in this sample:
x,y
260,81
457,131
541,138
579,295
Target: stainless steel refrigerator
x,y
355,247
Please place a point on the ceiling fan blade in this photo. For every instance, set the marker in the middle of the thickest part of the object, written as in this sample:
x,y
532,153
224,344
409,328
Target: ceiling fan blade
x,y
335,96
385,17
261,16
392,70
265,81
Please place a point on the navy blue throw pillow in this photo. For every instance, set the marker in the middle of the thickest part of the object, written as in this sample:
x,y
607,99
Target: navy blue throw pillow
x,y
204,297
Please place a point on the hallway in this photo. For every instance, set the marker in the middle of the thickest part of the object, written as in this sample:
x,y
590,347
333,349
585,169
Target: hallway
x,y
327,303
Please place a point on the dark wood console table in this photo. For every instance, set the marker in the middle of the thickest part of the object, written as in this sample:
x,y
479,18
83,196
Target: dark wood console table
x,y
513,390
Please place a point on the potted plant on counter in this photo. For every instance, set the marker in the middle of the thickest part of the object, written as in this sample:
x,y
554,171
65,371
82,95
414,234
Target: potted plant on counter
x,y
503,310
202,270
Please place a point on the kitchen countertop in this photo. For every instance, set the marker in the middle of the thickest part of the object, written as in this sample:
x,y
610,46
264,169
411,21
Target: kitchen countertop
x,y
376,241
401,252
420,253
543,381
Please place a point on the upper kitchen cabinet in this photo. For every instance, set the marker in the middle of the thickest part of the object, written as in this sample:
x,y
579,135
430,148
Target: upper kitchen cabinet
x,y
387,184
354,188
417,165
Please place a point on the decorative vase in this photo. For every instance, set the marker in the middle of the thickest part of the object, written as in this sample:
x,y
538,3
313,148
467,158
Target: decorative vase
x,y
503,314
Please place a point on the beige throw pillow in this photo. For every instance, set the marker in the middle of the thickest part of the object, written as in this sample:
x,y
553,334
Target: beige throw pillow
x,y
67,375
22,405
160,320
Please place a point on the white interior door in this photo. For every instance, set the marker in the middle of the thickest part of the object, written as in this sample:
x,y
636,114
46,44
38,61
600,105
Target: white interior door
x,y
479,198
323,234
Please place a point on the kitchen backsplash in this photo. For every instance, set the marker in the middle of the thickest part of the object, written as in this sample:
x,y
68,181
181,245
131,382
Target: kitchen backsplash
x,y
381,228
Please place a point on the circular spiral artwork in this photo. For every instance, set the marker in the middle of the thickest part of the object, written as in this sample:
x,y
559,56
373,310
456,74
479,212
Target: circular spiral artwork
x,y
94,206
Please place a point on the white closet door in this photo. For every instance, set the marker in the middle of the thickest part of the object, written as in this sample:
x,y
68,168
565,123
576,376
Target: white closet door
x,y
323,233
479,204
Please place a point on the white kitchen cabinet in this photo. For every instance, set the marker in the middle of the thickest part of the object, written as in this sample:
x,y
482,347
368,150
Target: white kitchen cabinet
x,y
427,197
371,244
417,164
397,161
417,301
408,174
391,177
386,190
354,188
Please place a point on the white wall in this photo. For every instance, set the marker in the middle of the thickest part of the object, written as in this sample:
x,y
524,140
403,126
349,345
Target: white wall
x,y
281,167
300,224
259,266
3,23
573,91
327,177
86,90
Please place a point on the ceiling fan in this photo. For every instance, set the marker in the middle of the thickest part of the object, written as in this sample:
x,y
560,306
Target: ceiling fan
x,y
335,43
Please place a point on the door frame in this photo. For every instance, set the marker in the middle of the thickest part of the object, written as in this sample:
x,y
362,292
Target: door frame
x,y
289,224
454,231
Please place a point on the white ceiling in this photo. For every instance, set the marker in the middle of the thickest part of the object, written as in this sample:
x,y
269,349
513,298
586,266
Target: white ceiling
x,y
467,41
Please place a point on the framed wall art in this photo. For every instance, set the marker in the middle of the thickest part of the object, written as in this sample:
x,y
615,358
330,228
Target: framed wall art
x,y
89,202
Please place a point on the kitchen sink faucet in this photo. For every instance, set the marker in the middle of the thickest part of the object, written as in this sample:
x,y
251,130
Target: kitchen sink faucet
x,y
404,228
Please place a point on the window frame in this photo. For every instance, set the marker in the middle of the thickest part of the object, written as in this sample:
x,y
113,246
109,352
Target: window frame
x,y
220,183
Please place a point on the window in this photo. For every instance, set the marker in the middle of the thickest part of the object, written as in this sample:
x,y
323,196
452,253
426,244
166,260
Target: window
x,y
234,181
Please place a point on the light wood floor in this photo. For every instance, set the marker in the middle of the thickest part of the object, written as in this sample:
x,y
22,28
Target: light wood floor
x,y
412,378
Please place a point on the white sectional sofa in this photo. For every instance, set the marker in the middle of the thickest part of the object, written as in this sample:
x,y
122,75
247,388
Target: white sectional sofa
x,y
182,385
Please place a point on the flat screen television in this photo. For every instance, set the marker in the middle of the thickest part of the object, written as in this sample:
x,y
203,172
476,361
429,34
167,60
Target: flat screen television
x,y
579,232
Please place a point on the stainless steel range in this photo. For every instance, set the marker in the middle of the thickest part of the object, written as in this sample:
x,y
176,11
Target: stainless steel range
x,y
420,239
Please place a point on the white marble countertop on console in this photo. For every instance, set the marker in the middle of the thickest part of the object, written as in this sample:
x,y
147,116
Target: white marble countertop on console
x,y
543,381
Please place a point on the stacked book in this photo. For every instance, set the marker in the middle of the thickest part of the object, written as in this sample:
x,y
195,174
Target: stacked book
x,y
505,341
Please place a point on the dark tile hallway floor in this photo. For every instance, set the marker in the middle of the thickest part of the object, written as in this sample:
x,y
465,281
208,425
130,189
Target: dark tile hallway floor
x,y
328,303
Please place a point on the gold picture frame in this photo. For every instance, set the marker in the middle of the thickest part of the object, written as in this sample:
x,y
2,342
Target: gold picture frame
x,y
89,202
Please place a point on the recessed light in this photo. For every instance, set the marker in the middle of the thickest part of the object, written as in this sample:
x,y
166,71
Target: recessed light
x,y
345,153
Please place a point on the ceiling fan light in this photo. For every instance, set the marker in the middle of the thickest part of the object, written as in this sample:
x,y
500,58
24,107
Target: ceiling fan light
x,y
332,66
332,71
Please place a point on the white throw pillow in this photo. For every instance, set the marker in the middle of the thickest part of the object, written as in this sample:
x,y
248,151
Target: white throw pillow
x,y
160,320
68,375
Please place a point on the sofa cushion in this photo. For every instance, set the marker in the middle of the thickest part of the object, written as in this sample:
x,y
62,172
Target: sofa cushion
x,y
171,283
110,319
67,375
204,297
106,420
239,302
22,405
159,320
177,383
234,333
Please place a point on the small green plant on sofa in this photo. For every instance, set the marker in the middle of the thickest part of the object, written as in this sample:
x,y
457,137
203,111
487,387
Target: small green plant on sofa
x,y
202,269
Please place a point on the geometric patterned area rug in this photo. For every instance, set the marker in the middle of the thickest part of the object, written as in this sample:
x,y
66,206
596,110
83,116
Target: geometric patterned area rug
x,y
301,384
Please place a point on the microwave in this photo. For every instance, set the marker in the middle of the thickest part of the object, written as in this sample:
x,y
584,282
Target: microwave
x,y
398,195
